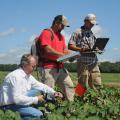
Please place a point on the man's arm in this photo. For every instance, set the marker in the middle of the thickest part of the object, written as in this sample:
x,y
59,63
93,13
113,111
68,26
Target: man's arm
x,y
48,49
17,93
75,48
45,88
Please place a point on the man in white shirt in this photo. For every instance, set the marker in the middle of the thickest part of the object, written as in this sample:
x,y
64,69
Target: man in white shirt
x,y
15,92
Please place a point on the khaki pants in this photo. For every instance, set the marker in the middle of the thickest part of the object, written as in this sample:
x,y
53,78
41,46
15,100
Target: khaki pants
x,y
62,79
89,75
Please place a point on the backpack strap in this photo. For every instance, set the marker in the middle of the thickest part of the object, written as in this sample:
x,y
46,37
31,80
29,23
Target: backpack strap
x,y
39,50
52,35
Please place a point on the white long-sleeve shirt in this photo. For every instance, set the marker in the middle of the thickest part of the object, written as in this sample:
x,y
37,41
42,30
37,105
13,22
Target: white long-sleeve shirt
x,y
15,87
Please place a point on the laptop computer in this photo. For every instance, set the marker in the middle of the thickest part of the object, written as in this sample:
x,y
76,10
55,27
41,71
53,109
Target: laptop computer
x,y
100,44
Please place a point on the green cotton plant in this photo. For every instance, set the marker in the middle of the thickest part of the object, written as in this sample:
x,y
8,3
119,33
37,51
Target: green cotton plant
x,y
9,115
1,115
104,105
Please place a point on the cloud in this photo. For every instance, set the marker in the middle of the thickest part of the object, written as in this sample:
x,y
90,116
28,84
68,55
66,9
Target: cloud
x,y
97,30
7,32
2,55
67,36
104,59
31,39
13,55
13,50
24,30
116,49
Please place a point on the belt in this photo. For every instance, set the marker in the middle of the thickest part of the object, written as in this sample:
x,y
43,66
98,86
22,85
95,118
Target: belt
x,y
58,64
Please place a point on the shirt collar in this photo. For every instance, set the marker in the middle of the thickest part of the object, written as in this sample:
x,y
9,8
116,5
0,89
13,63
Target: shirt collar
x,y
24,75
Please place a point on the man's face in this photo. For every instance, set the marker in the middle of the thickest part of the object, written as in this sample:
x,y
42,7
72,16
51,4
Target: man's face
x,y
88,24
31,66
60,27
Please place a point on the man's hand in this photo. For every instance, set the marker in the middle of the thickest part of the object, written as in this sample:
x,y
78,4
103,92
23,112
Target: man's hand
x,y
66,52
41,98
58,94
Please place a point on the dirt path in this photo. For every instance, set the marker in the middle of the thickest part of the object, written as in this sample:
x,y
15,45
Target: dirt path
x,y
112,84
108,84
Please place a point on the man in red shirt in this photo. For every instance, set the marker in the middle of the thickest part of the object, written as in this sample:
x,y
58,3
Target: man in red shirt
x,y
53,47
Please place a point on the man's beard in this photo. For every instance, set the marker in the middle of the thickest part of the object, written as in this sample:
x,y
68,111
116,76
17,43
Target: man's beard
x,y
59,30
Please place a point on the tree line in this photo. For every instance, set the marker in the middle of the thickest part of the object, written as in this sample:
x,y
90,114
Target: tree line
x,y
105,67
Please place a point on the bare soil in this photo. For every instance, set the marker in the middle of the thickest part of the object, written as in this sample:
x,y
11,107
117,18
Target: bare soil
x,y
112,84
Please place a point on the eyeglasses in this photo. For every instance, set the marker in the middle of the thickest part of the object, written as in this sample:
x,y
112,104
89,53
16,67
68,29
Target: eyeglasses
x,y
33,66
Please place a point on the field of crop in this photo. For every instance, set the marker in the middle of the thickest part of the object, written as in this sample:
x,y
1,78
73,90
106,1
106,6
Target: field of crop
x,y
102,105
106,77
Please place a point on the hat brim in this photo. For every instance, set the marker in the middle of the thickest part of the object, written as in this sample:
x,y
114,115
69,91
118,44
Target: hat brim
x,y
67,26
93,22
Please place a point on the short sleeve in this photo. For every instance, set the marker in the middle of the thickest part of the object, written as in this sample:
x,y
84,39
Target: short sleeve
x,y
75,37
45,37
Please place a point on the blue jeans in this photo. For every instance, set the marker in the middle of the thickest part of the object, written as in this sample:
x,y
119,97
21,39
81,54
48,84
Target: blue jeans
x,y
26,112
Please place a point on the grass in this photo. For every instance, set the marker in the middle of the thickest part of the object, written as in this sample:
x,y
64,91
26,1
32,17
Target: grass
x,y
2,76
106,77
111,77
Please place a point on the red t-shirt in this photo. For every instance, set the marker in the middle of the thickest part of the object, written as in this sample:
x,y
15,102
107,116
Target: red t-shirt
x,y
57,43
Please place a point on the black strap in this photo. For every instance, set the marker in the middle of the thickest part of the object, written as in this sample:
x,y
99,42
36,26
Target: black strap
x,y
53,61
52,34
40,51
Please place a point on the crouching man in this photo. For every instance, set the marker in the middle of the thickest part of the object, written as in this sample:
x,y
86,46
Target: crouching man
x,y
18,90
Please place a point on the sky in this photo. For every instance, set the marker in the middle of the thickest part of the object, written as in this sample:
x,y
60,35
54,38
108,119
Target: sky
x,y
21,21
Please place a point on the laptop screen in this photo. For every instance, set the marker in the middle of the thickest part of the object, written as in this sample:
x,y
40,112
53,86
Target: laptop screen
x,y
100,43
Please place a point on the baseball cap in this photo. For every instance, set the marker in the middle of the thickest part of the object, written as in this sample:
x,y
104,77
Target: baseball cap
x,y
91,17
62,19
